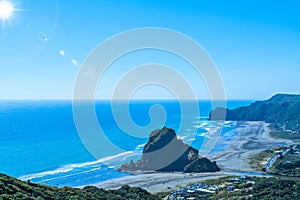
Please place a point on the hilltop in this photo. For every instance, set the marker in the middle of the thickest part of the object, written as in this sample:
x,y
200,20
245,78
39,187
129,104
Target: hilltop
x,y
165,152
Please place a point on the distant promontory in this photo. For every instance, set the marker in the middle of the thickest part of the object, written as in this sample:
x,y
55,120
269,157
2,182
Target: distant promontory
x,y
166,153
282,111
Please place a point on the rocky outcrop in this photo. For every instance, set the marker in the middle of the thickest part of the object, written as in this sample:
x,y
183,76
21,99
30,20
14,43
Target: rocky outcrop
x,y
165,152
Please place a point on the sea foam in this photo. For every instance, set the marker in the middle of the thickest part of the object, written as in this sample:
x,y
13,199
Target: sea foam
x,y
71,167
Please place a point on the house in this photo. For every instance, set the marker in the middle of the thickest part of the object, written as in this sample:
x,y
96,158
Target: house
x,y
230,188
191,191
204,191
250,182
191,198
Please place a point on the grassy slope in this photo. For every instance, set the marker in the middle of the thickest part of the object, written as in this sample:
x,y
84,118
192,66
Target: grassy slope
x,y
11,188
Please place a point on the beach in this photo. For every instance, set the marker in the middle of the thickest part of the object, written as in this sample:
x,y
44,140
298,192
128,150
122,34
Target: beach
x,y
64,160
159,182
251,137
249,140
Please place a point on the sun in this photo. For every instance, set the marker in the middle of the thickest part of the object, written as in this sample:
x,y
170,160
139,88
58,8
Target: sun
x,y
7,9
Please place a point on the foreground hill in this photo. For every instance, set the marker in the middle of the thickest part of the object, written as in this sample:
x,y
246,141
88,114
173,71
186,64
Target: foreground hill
x,y
282,111
243,187
11,188
164,152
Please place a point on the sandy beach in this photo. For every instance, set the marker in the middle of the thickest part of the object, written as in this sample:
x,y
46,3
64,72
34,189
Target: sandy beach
x,y
250,138
158,182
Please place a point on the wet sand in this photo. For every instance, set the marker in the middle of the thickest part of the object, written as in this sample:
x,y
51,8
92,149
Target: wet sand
x,y
252,138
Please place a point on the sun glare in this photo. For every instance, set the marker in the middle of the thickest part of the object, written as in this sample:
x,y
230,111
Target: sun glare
x,y
6,9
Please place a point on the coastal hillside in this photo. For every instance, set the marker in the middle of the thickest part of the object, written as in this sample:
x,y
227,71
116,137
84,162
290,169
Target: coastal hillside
x,y
241,187
165,152
12,188
282,111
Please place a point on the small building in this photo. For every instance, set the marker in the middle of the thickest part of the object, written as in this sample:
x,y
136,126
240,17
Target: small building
x,y
213,188
230,188
235,180
191,198
250,182
204,191
191,191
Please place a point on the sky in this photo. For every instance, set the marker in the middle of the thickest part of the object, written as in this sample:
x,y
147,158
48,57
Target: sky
x,y
254,44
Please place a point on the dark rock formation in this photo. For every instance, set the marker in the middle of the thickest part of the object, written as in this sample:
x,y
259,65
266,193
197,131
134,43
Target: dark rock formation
x,y
164,152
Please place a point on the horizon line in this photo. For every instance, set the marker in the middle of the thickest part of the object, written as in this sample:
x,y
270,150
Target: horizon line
x,y
139,99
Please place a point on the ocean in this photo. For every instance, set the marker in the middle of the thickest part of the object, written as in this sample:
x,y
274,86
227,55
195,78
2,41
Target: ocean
x,y
39,140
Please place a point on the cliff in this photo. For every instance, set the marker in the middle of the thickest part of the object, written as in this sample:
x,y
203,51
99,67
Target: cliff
x,y
164,152
282,111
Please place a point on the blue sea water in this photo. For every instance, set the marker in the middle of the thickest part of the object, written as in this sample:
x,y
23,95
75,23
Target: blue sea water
x,y
39,140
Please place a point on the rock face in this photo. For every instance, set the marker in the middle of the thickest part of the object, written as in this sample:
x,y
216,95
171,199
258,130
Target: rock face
x,y
282,110
164,152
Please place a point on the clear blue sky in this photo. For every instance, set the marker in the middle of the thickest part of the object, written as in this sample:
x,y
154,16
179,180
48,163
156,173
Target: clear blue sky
x,y
255,44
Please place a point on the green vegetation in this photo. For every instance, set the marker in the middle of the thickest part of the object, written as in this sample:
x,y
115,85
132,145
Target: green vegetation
x,y
258,160
254,188
264,188
282,111
11,188
289,164
286,135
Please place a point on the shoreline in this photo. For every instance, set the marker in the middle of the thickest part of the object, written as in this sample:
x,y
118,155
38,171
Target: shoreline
x,y
158,182
250,139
